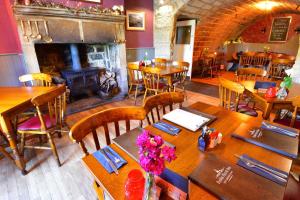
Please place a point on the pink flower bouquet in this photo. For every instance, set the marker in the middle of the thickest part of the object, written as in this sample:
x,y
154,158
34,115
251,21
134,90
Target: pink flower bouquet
x,y
153,153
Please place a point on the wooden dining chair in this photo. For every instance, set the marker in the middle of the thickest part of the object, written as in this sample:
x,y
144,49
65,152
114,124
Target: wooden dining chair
x,y
164,101
135,78
251,73
36,79
261,60
32,80
46,122
179,79
278,67
153,82
230,94
246,59
293,119
160,61
88,126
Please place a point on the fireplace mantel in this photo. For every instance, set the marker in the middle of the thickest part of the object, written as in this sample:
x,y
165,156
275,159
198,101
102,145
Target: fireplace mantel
x,y
22,10
67,25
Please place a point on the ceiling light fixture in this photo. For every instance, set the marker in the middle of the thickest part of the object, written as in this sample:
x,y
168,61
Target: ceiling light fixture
x,y
266,5
161,1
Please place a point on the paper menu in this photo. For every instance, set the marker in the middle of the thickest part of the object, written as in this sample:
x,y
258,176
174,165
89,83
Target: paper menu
x,y
186,119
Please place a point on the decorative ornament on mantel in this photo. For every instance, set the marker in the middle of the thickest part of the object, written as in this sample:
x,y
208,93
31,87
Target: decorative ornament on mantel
x,y
115,10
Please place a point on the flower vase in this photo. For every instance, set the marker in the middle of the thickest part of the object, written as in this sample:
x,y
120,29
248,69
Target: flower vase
x,y
282,93
150,188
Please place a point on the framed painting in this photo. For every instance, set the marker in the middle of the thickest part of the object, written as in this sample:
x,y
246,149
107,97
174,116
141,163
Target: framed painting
x,y
135,20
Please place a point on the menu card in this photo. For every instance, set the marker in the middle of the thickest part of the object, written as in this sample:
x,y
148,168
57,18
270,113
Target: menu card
x,y
230,181
279,143
189,120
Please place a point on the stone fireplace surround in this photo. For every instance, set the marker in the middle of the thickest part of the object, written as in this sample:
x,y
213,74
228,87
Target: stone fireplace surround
x,y
65,26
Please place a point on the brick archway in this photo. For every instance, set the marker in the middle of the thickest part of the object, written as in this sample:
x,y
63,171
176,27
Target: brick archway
x,y
218,21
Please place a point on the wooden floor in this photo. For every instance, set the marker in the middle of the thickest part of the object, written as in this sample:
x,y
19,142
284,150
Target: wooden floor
x,y
46,180
215,80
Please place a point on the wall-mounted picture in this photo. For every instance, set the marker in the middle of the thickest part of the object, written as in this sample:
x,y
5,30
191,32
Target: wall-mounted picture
x,y
135,20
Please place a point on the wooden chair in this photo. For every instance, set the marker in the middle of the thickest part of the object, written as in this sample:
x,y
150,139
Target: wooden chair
x,y
160,61
180,78
135,78
278,67
33,80
243,74
37,79
230,94
89,125
164,100
153,81
46,122
261,60
246,59
293,120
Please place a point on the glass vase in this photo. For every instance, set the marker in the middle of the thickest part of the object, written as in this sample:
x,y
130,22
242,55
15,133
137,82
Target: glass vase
x,y
150,188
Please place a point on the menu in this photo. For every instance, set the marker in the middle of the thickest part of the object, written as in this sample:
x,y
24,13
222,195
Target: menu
x,y
280,28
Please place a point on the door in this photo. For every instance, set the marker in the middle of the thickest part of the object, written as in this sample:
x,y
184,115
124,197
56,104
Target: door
x,y
184,42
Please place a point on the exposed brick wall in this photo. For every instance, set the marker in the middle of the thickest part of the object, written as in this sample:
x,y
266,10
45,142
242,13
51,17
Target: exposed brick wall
x,y
253,33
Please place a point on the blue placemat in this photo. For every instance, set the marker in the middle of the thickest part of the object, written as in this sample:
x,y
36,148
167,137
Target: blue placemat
x,y
168,128
261,172
257,143
264,84
113,156
279,129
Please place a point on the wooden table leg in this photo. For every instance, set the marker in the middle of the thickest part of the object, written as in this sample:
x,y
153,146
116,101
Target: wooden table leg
x,y
8,130
267,112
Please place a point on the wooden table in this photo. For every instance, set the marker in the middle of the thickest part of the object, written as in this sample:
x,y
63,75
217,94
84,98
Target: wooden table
x,y
14,100
188,155
269,104
168,72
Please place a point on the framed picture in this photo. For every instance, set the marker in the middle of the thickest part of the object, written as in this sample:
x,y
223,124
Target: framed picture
x,y
135,20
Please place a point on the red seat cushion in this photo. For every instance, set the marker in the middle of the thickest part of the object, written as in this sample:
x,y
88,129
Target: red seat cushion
x,y
287,122
34,123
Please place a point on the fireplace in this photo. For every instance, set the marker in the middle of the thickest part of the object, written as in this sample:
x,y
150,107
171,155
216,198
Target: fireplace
x,y
85,49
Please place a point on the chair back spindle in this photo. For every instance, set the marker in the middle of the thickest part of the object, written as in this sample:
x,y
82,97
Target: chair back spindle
x,y
36,79
165,101
230,92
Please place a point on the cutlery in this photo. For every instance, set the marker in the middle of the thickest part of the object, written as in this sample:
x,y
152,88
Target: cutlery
x,y
262,167
167,126
38,35
47,38
287,132
109,152
111,164
30,29
24,32
170,129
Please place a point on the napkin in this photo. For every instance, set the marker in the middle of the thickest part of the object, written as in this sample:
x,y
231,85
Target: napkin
x,y
278,129
261,172
112,155
168,128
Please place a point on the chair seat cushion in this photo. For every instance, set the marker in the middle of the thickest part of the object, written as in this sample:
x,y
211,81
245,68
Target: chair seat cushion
x,y
247,110
34,123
